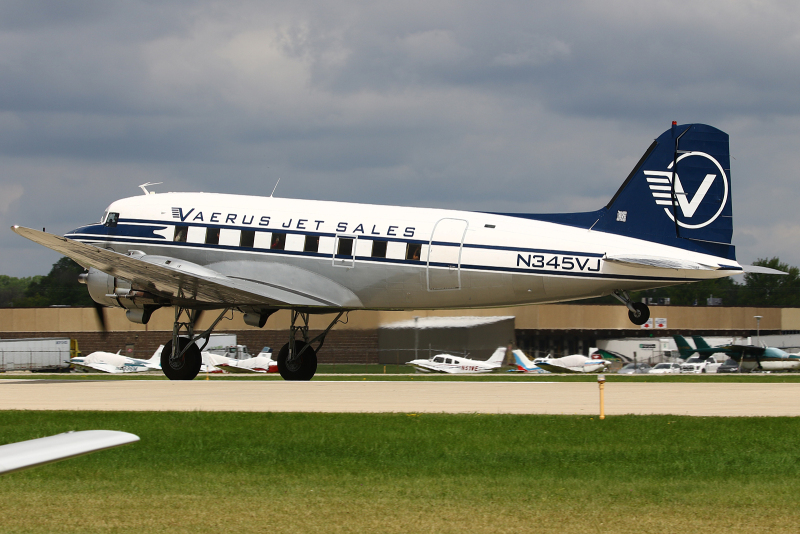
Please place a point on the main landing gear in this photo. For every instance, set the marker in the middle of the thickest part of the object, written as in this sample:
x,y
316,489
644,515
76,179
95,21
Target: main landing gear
x,y
297,360
638,312
181,358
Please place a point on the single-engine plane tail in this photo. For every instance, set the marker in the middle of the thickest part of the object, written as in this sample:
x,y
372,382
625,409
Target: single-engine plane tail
x,y
684,348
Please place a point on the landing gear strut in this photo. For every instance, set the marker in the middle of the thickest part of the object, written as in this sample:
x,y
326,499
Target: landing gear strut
x,y
638,312
297,360
181,358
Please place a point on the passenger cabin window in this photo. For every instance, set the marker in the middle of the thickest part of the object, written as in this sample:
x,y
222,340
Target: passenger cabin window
x,y
413,251
247,238
379,249
345,247
311,244
212,236
448,360
278,241
112,219
180,233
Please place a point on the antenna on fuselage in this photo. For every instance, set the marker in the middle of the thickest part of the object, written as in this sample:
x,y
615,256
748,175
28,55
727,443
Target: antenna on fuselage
x,y
274,188
144,187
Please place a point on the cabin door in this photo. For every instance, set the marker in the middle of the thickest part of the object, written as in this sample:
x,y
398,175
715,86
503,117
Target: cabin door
x,y
444,254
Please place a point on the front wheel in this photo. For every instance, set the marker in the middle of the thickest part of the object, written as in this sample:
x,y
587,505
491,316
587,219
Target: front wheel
x,y
642,315
184,368
302,367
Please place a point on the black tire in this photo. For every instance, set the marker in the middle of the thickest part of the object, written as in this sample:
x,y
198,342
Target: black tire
x,y
644,313
302,368
185,368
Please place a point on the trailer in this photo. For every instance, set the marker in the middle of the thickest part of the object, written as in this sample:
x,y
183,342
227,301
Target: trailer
x,y
35,354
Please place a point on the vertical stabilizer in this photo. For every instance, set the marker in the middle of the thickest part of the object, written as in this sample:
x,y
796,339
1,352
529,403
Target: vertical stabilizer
x,y
684,348
679,193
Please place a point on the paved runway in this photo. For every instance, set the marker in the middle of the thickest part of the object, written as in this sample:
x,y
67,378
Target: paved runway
x,y
730,399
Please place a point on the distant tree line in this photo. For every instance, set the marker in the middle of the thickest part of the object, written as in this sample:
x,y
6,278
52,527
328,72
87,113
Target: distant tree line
x,y
61,288
756,290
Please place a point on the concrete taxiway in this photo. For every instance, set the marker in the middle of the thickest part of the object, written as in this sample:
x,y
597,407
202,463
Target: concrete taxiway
x,y
582,398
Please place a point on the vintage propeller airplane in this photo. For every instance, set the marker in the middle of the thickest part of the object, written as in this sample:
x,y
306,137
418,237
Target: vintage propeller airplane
x,y
669,223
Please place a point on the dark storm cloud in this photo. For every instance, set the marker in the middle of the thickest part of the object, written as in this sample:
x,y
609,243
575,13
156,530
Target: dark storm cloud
x,y
511,106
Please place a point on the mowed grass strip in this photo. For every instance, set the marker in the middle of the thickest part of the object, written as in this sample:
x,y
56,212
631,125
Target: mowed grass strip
x,y
373,375
343,473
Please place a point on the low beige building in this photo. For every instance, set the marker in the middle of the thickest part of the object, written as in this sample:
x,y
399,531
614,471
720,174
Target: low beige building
x,y
555,328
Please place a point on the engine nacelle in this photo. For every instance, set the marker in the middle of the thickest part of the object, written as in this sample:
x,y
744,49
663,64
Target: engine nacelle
x,y
118,293
100,286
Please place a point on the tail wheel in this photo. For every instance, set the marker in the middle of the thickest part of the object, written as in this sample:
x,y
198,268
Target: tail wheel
x,y
301,368
184,368
643,313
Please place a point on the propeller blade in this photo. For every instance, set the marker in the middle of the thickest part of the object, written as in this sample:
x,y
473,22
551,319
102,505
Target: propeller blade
x,y
197,315
101,317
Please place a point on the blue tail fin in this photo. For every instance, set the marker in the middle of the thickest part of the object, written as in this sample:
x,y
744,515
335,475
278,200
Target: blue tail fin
x,y
678,194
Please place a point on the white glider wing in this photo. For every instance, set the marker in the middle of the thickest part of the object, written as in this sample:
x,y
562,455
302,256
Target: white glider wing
x,y
16,456
171,277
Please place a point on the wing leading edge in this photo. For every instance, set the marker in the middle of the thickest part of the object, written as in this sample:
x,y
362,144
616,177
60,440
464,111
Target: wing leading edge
x,y
172,277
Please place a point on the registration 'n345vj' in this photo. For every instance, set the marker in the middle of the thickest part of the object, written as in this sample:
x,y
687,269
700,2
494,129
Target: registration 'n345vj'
x,y
669,223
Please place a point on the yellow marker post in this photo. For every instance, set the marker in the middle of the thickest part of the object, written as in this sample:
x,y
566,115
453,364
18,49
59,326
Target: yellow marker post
x,y
601,381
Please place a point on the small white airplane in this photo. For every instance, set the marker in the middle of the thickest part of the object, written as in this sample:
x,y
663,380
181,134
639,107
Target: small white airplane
x,y
262,363
108,362
669,223
576,363
33,452
447,363
525,365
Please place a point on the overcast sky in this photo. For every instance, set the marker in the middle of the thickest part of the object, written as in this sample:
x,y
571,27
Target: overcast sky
x,y
496,106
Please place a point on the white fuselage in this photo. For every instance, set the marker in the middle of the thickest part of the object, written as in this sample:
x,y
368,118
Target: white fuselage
x,y
358,256
447,363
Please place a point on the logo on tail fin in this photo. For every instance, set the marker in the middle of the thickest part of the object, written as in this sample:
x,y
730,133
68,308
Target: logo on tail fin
x,y
660,183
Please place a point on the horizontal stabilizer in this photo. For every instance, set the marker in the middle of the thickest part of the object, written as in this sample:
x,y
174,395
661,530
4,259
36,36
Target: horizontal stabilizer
x,y
660,263
758,269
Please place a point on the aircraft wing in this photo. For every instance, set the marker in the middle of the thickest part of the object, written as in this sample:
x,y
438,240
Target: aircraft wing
x,y
16,456
736,351
103,367
170,277
550,368
238,370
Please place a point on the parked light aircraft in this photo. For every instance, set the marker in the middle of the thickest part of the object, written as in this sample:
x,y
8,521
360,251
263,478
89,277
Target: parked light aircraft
x,y
763,358
749,357
447,363
262,363
576,363
524,365
669,223
702,348
108,362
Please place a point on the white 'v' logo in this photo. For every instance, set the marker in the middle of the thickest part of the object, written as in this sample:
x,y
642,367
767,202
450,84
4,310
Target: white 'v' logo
x,y
688,207
660,184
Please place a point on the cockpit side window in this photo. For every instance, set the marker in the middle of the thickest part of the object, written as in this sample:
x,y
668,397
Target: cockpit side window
x,y
111,220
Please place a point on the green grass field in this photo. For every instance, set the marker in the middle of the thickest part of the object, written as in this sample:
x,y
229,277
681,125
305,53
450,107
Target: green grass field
x,y
343,473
